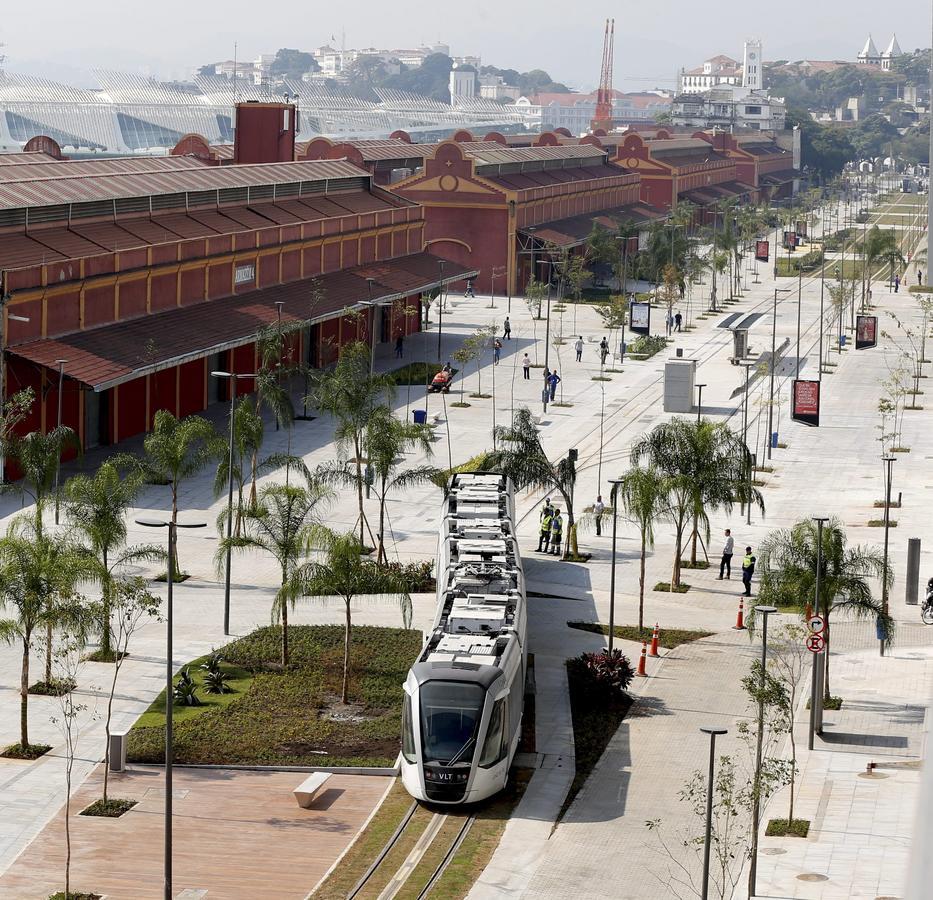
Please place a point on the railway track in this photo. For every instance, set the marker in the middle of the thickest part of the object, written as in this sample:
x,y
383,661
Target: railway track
x,y
435,833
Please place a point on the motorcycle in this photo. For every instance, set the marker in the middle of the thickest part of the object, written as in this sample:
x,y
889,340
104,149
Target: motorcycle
x,y
926,611
441,382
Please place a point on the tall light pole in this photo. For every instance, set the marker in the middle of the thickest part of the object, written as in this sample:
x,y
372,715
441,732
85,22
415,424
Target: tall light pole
x,y
372,327
712,732
772,367
547,330
799,301
817,657
279,304
232,379
700,401
930,188
764,612
58,462
169,677
819,376
440,306
614,503
748,368
888,462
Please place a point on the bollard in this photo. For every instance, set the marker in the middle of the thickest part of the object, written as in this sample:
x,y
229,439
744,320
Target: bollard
x,y
740,618
654,641
913,571
641,661
118,751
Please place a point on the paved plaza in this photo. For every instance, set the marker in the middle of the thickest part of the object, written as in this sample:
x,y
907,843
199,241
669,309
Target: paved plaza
x,y
602,846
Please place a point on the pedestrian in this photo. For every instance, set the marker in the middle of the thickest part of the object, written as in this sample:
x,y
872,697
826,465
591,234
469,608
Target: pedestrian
x,y
399,345
507,329
469,289
603,351
678,320
682,287
897,283
557,528
598,509
725,564
496,350
526,367
748,569
919,276
670,322
544,526
578,346
552,382
869,296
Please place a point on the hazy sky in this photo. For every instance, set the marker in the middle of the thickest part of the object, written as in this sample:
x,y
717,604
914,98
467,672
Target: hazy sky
x,y
64,40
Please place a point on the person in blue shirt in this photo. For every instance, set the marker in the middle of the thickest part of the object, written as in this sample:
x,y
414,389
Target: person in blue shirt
x,y
552,381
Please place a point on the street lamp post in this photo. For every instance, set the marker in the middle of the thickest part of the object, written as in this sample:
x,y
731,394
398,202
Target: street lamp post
x,y
748,368
764,612
700,401
799,301
232,379
889,462
169,674
58,462
278,325
817,657
440,306
547,331
772,367
614,502
712,732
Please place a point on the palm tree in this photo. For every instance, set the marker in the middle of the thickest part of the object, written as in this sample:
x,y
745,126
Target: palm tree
x,y
385,441
176,450
13,410
881,246
350,392
38,575
644,499
96,505
282,524
247,442
38,456
523,459
345,574
788,564
704,467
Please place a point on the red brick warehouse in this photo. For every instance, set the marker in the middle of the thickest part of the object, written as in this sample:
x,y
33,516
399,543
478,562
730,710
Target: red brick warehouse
x,y
146,274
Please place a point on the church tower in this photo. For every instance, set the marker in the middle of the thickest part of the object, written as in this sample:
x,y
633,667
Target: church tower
x,y
752,74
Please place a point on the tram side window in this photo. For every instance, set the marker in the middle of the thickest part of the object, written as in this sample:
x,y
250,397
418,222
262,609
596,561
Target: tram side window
x,y
408,735
492,748
516,701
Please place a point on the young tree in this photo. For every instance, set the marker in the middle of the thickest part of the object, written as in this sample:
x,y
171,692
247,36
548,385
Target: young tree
x,y
387,439
13,410
535,292
787,562
97,505
644,498
614,315
175,451
282,524
522,457
38,578
350,392
248,433
343,573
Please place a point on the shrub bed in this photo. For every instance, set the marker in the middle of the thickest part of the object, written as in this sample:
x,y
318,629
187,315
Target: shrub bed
x,y
646,346
295,717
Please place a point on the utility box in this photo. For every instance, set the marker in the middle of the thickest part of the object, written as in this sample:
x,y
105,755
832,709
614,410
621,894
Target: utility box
x,y
739,343
679,385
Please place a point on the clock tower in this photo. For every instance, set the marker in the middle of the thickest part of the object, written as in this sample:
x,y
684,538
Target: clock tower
x,y
752,74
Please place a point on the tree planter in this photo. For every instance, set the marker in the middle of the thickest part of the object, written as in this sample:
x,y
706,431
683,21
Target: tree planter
x,y
31,751
108,809
665,587
781,828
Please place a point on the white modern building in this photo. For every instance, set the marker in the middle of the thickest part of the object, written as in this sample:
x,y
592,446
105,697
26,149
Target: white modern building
x,y
462,82
718,70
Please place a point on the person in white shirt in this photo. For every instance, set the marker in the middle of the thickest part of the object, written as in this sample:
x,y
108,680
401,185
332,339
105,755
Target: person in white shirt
x,y
578,346
598,509
725,564
526,367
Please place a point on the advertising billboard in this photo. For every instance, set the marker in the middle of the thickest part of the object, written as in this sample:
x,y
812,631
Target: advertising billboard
x,y
762,250
866,332
639,318
790,240
805,403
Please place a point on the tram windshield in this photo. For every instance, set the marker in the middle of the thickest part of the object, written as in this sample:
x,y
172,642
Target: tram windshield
x,y
450,716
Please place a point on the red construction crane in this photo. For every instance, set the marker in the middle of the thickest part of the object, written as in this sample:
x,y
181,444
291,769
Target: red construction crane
x,y
603,117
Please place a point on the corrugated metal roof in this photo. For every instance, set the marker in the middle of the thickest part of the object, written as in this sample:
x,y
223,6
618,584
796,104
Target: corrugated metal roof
x,y
489,153
55,191
101,358
49,168
576,230
24,159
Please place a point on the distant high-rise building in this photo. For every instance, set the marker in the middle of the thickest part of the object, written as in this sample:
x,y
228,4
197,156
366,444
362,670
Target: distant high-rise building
x,y
462,82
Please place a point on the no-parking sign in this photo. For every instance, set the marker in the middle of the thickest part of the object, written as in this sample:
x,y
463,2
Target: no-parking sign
x,y
815,643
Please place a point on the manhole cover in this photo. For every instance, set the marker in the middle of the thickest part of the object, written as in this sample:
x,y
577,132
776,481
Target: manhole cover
x,y
772,851
812,876
873,775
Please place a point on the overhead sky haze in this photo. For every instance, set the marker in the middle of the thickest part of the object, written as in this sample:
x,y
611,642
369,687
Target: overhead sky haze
x,y
169,38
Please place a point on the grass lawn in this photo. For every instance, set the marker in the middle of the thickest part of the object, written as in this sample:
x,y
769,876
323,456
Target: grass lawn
x,y
668,638
781,828
295,717
665,587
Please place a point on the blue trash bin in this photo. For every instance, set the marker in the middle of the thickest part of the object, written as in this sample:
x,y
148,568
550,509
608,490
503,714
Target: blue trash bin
x,y
774,440
420,416
842,340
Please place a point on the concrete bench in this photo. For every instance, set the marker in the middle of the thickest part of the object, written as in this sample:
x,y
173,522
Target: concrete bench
x,y
309,788
437,419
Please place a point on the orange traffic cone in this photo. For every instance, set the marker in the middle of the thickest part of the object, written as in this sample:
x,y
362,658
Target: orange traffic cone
x,y
641,662
654,641
740,618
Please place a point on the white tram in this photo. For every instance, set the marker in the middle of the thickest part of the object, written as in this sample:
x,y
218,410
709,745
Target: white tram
x,y
462,714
